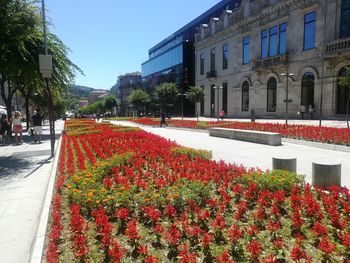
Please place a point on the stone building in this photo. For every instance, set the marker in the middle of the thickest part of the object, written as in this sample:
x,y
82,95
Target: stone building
x,y
244,56
125,85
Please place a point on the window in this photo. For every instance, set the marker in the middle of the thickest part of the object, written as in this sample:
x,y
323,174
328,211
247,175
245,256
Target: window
x,y
309,30
342,94
212,59
345,19
264,44
307,89
271,95
245,58
224,56
245,96
283,38
224,97
273,41
201,63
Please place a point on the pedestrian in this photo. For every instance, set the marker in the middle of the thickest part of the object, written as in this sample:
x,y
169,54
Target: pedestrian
x,y
5,129
311,111
37,121
17,127
162,119
222,114
302,111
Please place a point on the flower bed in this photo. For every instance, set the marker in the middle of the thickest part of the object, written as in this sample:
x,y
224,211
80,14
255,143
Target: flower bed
x,y
302,132
129,196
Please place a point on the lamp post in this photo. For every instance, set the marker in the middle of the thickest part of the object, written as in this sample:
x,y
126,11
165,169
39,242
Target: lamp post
x,y
45,63
287,75
218,100
182,105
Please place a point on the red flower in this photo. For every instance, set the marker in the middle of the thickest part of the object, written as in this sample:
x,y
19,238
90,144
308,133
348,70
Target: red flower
x,y
319,229
151,259
116,253
326,246
122,213
234,233
131,230
254,248
142,250
298,253
207,239
224,258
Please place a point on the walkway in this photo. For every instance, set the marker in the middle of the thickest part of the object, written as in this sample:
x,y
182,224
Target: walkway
x,y
255,155
24,176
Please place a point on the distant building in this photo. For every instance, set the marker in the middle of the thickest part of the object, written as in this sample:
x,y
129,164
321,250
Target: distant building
x,y
244,55
95,95
172,59
125,85
82,103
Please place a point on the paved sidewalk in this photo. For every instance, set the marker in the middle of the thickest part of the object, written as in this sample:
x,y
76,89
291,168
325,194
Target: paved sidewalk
x,y
255,155
24,175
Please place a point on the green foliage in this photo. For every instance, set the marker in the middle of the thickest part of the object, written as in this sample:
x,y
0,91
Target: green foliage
x,y
272,180
345,80
191,153
166,93
195,94
139,98
110,102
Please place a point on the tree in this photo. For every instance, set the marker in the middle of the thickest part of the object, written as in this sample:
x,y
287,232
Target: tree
x,y
167,94
110,103
19,22
195,94
345,82
139,98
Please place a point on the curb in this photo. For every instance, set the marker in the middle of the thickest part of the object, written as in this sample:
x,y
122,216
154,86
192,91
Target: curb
x,y
39,239
326,146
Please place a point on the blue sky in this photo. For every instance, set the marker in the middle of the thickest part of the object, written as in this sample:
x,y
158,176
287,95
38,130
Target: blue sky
x,y
112,37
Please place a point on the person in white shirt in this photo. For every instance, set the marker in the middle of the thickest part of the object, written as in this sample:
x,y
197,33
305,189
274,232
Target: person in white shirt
x,y
17,127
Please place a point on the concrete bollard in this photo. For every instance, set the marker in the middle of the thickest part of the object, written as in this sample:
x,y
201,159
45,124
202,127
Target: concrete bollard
x,y
288,164
324,175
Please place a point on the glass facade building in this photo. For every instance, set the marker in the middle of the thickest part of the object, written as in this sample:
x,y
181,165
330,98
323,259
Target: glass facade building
x,y
172,60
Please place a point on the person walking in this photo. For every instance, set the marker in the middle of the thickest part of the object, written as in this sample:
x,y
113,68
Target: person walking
x,y
5,129
37,121
302,111
222,114
311,111
162,119
17,127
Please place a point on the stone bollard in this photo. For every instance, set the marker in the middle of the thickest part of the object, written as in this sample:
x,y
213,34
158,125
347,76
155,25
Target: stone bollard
x,y
324,175
288,164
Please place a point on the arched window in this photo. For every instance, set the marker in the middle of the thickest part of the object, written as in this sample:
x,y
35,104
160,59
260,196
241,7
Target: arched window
x,y
342,95
307,90
245,96
271,95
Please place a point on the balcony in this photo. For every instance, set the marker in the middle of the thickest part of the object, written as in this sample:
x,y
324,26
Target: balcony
x,y
270,62
211,74
338,46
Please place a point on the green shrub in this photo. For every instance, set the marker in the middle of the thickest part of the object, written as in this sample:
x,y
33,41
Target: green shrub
x,y
272,180
191,153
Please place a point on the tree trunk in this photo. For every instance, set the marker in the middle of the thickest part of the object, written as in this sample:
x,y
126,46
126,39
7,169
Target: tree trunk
x,y
26,99
7,100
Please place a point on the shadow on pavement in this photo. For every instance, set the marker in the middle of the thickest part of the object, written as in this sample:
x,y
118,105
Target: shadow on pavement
x,y
22,164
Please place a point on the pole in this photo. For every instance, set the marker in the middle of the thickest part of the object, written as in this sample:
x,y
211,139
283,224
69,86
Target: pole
x,y
287,80
322,58
48,91
217,105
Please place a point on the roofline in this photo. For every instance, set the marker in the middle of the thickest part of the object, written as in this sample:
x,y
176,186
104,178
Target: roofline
x,y
192,23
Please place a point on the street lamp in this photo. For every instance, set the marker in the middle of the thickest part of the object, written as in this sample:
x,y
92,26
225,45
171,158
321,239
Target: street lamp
x,y
182,105
287,75
218,99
